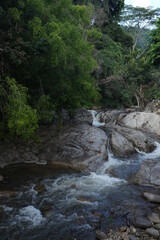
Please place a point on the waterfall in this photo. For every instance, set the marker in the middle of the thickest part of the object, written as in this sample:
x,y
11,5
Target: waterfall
x,y
96,119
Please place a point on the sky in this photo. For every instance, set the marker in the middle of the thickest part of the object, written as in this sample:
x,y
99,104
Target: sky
x,y
143,3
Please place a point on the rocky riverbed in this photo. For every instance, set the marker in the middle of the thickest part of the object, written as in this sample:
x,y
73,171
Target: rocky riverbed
x,y
83,181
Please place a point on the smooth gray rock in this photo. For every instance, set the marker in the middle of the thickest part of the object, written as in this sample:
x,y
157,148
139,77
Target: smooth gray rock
x,y
138,139
131,237
76,146
154,217
100,235
157,226
152,197
120,146
142,222
112,116
148,174
80,146
142,120
152,232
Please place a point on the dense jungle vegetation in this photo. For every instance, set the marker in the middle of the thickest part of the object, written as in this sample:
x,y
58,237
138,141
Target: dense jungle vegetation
x,y
63,54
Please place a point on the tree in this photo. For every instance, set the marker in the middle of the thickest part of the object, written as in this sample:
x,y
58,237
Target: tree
x,y
111,7
154,50
47,44
18,116
44,46
137,19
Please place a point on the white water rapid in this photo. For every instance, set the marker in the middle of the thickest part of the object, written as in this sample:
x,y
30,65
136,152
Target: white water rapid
x,y
96,119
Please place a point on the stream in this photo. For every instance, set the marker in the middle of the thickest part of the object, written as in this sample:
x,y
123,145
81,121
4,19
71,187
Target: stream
x,y
71,206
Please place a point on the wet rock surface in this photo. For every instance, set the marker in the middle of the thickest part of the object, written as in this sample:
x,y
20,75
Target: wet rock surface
x,y
81,146
8,193
124,141
120,145
148,174
152,197
76,146
153,232
142,222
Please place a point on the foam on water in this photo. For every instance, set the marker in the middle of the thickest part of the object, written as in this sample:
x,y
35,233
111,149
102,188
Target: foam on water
x,y
153,155
96,119
30,215
6,208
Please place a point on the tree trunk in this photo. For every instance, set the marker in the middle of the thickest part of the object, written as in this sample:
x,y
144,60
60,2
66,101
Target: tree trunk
x,y
141,97
138,100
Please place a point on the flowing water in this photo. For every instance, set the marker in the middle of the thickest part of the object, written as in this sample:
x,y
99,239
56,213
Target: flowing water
x,y
72,206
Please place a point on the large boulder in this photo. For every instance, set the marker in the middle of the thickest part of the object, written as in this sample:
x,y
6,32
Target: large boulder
x,y
120,146
142,120
77,146
13,154
112,116
80,147
138,139
83,116
125,141
148,173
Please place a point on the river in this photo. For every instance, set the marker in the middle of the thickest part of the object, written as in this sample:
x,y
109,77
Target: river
x,y
71,206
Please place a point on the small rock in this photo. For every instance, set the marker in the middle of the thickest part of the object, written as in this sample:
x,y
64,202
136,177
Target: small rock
x,y
73,186
142,222
46,210
83,199
97,214
128,230
157,226
125,236
138,234
123,229
152,197
39,188
8,193
154,217
100,235
133,230
131,237
80,220
152,232
1,178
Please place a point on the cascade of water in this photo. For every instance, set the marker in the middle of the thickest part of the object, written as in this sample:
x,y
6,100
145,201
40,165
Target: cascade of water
x,y
96,119
153,155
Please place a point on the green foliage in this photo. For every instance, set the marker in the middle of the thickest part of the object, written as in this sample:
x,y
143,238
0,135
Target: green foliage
x,y
154,51
21,118
50,48
45,109
112,7
14,14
